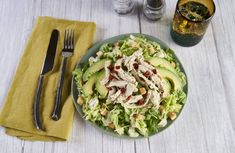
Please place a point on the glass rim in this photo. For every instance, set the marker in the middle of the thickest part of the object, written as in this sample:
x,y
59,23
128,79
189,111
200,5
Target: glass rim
x,y
208,19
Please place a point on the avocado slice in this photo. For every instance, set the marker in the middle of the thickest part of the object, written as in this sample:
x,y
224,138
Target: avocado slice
x,y
161,62
94,68
102,90
166,87
172,77
88,86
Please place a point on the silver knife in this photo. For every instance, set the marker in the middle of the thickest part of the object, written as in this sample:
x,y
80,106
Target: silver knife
x,y
47,67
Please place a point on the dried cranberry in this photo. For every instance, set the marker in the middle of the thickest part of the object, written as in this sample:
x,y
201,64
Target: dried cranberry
x,y
109,88
129,97
123,90
136,65
154,71
140,102
111,77
116,72
118,67
147,74
113,71
110,67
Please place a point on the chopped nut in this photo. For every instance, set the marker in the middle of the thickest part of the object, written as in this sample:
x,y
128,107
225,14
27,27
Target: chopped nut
x,y
111,125
80,100
103,111
116,44
141,117
142,91
135,45
152,50
171,115
135,115
173,64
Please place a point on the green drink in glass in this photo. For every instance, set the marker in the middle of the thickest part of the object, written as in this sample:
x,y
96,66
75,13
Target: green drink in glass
x,y
191,20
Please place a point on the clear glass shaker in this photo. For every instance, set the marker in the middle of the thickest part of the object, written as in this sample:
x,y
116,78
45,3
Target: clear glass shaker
x,y
154,9
123,6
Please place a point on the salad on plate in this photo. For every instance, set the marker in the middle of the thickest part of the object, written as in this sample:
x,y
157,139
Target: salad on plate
x,y
132,87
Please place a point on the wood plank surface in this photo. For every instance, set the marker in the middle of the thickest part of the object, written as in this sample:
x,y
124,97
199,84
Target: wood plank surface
x,y
207,122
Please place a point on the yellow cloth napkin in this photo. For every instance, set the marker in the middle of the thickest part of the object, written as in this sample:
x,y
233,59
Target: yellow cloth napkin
x,y
17,113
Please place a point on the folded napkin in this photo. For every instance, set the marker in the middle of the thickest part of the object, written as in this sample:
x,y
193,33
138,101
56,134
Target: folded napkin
x,y
17,113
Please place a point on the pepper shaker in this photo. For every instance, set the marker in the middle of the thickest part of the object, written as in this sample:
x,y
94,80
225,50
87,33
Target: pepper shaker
x,y
154,9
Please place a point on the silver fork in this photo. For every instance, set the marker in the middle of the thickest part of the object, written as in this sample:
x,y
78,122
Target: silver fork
x,y
67,52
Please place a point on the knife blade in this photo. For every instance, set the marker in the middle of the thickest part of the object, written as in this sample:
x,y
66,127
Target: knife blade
x,y
47,67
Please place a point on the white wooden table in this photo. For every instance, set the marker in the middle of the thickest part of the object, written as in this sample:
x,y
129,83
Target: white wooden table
x,y
207,123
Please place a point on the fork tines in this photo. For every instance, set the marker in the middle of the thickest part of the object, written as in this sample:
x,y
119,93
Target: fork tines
x,y
68,40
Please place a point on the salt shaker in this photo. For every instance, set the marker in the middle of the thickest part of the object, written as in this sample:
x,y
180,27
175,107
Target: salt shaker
x,y
123,6
154,9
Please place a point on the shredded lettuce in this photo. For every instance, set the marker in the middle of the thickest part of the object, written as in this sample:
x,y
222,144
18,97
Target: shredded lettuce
x,y
132,132
141,126
92,110
77,73
173,103
152,119
106,48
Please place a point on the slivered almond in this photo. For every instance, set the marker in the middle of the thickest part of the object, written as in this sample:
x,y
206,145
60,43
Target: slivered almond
x,y
173,64
111,125
135,45
116,44
152,50
171,115
141,117
80,100
103,111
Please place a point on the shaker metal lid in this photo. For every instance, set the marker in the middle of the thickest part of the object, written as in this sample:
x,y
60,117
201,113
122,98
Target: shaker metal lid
x,y
155,3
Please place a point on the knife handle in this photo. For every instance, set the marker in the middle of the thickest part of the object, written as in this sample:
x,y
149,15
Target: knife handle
x,y
36,112
56,112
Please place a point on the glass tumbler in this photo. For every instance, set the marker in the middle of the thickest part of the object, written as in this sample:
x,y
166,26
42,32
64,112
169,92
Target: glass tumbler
x,y
123,7
191,20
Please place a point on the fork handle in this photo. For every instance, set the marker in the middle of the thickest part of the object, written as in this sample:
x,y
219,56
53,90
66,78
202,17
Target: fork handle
x,y
56,111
